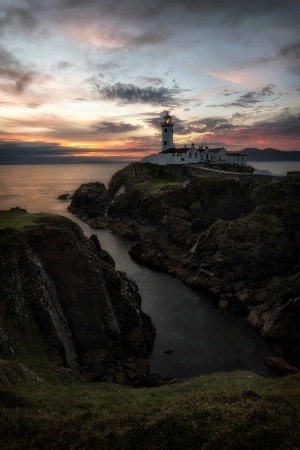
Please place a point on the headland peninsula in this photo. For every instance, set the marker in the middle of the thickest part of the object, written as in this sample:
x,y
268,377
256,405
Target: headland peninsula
x,y
68,318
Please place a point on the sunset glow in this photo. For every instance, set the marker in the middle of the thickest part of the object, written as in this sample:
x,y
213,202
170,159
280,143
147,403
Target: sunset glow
x,y
94,78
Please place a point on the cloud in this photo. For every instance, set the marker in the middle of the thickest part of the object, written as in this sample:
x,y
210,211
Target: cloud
x,y
24,104
280,132
18,148
238,115
251,98
291,50
17,19
232,11
115,127
17,152
288,54
148,37
203,125
156,81
266,91
285,125
107,66
227,93
291,53
14,77
62,65
111,26
175,85
129,93
211,124
137,24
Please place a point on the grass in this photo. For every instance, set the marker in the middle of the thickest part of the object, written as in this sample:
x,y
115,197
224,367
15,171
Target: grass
x,y
19,219
158,186
222,411
231,167
144,172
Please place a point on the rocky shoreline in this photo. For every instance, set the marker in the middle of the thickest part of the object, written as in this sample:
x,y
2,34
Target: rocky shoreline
x,y
236,236
65,310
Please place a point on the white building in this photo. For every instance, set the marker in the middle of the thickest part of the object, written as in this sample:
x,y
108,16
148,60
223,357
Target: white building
x,y
236,158
189,155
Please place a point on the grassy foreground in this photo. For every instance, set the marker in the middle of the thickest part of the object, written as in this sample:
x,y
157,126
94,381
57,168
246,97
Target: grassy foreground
x,y
19,219
238,410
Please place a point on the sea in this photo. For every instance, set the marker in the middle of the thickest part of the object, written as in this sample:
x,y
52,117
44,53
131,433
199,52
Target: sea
x,y
277,167
203,338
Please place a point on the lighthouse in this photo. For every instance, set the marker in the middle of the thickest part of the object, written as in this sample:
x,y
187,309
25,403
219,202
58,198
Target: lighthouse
x,y
189,155
167,132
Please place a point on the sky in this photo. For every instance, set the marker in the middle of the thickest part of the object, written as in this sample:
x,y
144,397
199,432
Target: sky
x,y
92,79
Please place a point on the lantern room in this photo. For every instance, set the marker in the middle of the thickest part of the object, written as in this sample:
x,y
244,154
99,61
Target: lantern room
x,y
167,132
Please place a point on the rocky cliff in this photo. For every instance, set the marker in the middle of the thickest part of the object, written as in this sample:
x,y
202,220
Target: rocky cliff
x,y
63,305
237,236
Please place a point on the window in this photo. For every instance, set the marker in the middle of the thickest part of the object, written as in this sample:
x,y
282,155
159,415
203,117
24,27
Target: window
x,y
190,155
166,130
182,159
165,142
238,158
195,155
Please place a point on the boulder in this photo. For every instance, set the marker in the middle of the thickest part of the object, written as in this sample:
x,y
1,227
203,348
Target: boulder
x,y
12,372
120,377
223,304
64,197
280,366
89,201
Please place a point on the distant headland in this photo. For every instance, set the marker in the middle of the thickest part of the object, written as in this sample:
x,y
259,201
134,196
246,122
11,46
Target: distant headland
x,y
270,154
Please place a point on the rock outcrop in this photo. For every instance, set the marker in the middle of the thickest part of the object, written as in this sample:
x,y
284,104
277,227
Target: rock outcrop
x,y
237,236
63,303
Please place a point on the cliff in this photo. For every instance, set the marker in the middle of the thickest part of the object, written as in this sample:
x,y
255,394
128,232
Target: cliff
x,y
236,236
64,308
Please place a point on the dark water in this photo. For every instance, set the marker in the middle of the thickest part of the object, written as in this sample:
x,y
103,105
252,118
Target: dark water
x,y
204,339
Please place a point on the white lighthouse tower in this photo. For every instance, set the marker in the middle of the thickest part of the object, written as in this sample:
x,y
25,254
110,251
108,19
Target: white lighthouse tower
x,y
167,132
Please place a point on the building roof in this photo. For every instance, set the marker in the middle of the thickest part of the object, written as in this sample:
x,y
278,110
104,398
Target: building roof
x,y
215,150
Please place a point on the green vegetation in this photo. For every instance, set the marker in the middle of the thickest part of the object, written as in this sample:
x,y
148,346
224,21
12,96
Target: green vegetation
x,y
222,411
19,219
138,173
156,171
158,186
231,167
214,187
